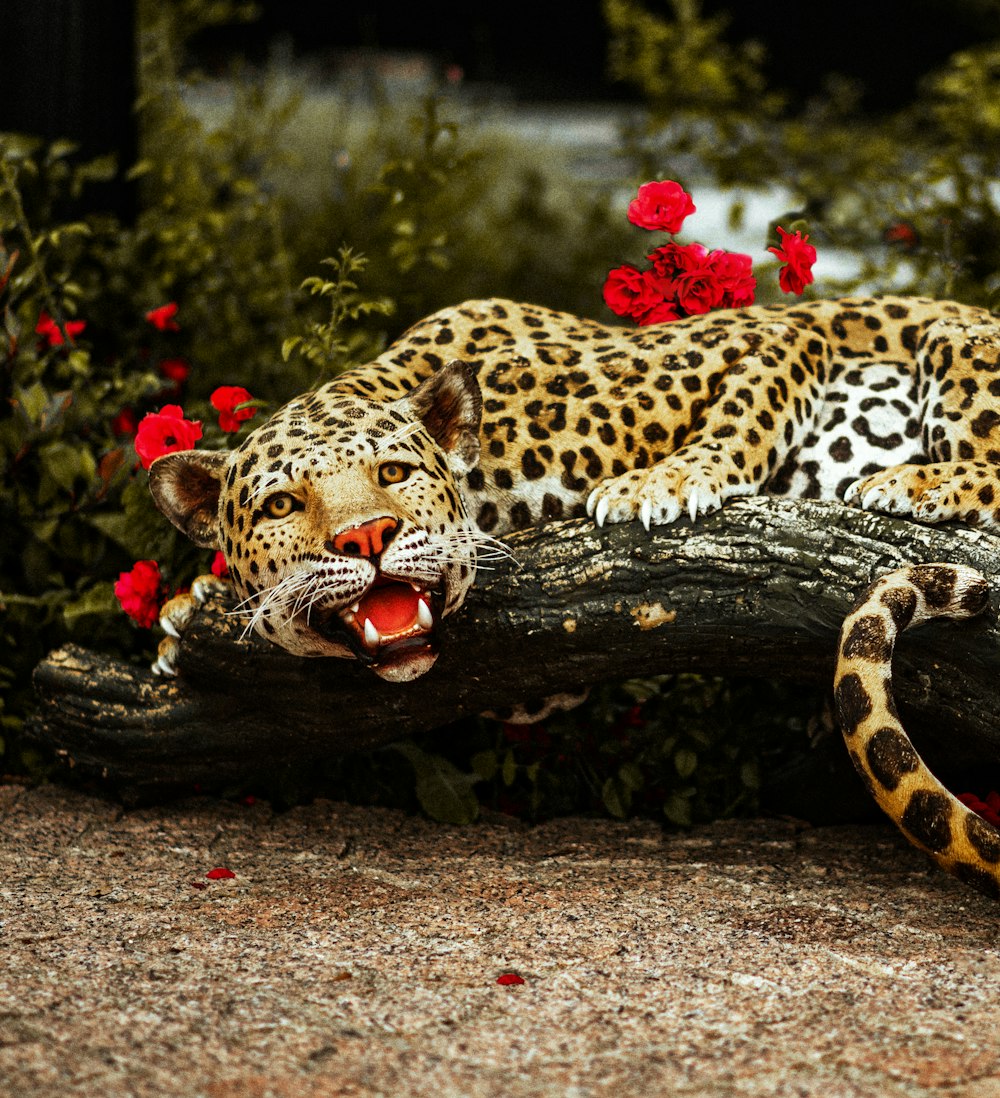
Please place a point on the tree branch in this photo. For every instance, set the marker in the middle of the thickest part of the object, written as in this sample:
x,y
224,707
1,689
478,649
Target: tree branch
x,y
757,589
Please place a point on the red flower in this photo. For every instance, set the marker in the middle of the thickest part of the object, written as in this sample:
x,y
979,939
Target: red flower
x,y
661,313
903,234
798,258
734,271
175,370
220,873
162,318
670,259
125,423
219,567
509,979
662,206
165,432
49,330
699,291
227,400
631,292
988,809
139,592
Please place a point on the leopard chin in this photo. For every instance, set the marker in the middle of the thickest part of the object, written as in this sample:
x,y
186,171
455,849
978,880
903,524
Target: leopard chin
x,y
405,664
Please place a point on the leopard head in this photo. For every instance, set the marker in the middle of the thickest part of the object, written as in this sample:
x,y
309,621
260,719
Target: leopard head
x,y
341,519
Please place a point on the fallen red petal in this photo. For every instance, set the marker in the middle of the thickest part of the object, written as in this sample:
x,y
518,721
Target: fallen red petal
x,y
220,873
510,978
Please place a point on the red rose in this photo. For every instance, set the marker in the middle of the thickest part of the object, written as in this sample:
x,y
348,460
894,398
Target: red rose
x,y
662,206
125,423
162,318
631,292
139,592
50,331
510,979
165,432
734,270
670,259
798,258
699,291
175,370
227,400
218,566
660,314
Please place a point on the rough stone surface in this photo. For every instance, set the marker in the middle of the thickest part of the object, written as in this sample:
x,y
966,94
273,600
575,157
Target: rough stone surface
x,y
357,951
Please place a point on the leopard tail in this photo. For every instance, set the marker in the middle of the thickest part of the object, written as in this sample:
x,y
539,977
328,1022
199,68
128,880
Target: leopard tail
x,y
933,819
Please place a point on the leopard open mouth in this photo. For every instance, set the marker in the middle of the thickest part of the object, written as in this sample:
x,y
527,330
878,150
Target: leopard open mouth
x,y
390,628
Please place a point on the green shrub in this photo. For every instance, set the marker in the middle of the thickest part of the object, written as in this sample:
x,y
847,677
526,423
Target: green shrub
x,y
242,205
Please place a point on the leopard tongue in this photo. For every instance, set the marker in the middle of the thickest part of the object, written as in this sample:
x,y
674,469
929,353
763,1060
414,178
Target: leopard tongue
x,y
391,608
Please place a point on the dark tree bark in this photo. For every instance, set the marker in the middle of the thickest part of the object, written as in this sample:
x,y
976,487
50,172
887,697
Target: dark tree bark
x,y
758,589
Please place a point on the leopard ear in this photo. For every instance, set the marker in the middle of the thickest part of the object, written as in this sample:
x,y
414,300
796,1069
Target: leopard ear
x,y
186,487
451,406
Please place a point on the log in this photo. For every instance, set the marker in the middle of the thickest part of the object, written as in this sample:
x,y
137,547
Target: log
x,y
758,589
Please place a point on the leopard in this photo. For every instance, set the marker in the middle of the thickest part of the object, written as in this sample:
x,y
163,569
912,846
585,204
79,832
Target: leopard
x,y
355,519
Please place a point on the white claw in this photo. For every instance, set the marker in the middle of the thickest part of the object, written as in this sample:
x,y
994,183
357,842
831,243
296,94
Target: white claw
x,y
425,619
372,636
164,667
601,512
869,499
693,504
646,514
168,627
591,502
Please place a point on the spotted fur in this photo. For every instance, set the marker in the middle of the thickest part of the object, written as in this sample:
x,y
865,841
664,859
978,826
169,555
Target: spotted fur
x,y
932,818
357,516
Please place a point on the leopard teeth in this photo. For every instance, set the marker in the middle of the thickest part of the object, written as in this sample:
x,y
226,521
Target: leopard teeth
x,y
355,607
425,619
372,636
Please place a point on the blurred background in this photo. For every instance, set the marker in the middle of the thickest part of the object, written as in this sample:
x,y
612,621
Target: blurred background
x,y
303,181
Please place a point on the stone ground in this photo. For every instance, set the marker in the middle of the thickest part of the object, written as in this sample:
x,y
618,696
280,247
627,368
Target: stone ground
x,y
357,951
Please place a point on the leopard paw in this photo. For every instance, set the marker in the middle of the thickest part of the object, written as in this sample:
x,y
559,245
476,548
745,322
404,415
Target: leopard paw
x,y
967,491
695,484
176,616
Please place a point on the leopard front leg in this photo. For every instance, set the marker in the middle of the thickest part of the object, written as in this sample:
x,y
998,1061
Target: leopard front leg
x,y
959,390
759,407
176,616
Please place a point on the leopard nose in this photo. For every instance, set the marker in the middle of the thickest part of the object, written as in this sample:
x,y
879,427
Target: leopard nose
x,y
366,540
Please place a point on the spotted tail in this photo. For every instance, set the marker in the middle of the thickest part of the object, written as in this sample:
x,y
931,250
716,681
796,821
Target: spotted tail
x,y
931,818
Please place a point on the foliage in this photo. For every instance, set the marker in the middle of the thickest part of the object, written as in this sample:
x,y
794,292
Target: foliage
x,y
244,201
909,197
228,232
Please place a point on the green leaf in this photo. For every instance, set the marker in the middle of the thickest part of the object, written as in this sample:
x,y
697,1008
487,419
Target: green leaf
x,y
677,809
444,792
685,762
485,764
99,599
509,768
631,776
616,800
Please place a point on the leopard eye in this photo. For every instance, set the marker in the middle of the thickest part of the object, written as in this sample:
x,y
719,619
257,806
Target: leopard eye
x,y
393,472
281,505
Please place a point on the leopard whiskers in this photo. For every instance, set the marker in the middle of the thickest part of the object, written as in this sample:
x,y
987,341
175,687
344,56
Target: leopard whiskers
x,y
279,599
